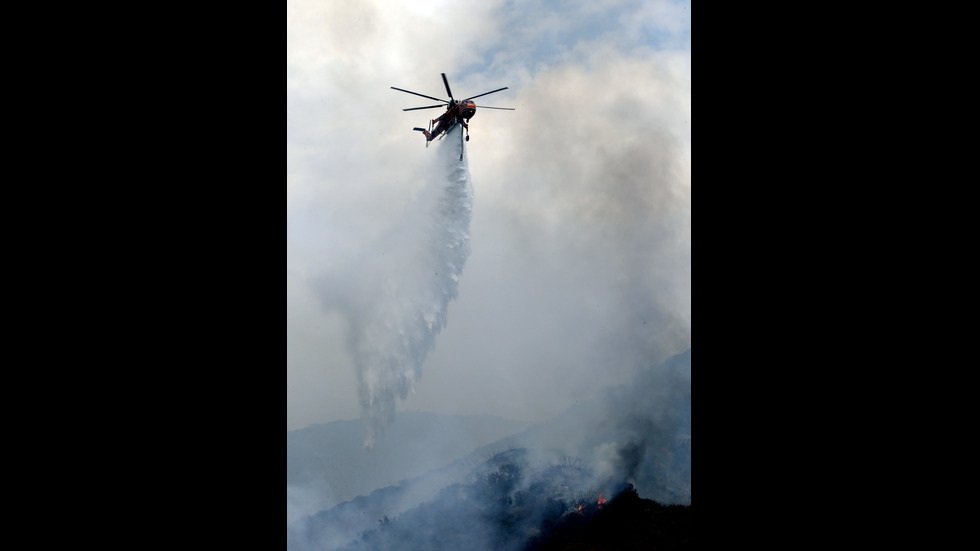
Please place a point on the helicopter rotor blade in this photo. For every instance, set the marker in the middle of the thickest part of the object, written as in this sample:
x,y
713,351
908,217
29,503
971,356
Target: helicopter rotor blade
x,y
501,108
446,82
418,94
485,93
427,107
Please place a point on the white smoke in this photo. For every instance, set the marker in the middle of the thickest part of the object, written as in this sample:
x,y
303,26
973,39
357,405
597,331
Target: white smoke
x,y
399,301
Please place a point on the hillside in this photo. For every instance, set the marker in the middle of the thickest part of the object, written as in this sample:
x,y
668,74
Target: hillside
x,y
635,436
525,505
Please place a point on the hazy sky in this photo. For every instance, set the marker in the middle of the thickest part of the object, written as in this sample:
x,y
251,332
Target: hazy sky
x,y
580,263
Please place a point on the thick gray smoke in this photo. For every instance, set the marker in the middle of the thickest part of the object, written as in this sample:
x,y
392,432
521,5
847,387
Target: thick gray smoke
x,y
398,302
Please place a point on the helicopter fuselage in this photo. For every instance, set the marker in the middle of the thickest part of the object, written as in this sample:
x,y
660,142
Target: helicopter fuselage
x,y
460,111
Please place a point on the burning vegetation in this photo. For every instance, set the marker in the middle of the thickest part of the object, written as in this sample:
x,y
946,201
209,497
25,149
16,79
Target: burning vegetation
x,y
627,522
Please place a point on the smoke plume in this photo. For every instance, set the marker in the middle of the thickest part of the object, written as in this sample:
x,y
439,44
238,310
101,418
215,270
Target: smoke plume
x,y
399,299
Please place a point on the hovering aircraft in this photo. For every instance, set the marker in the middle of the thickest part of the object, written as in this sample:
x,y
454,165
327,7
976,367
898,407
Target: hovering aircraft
x,y
457,112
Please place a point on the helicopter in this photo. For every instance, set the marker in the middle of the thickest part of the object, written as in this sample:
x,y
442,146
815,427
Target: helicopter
x,y
457,112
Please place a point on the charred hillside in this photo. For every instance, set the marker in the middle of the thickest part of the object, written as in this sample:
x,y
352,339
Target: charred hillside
x,y
521,506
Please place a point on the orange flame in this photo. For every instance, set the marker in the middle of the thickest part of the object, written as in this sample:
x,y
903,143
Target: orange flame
x,y
601,500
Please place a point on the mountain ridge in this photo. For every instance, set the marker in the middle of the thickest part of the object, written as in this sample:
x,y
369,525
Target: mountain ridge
x,y
326,463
